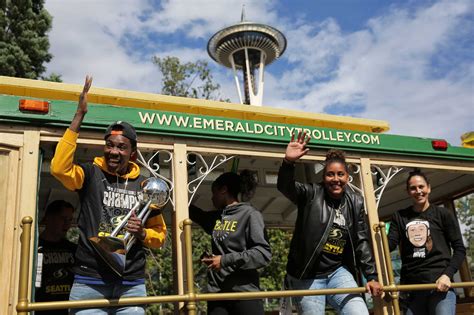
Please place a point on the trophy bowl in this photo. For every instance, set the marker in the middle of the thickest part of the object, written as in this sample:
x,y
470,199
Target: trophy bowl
x,y
156,190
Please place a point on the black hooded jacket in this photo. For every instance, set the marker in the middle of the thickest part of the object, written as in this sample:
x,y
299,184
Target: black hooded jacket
x,y
313,224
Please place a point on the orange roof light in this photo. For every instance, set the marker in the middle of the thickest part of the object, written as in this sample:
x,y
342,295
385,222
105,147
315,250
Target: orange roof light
x,y
34,106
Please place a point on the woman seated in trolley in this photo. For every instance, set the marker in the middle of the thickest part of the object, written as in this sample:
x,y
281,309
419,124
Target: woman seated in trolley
x,y
331,241
426,233
239,243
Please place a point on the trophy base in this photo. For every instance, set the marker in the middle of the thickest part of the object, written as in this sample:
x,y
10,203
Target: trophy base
x,y
112,251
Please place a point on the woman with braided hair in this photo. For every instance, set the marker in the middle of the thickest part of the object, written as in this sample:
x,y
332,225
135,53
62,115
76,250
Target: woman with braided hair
x,y
331,241
239,242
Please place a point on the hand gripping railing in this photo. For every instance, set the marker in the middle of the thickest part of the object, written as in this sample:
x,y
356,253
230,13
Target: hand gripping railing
x,y
392,287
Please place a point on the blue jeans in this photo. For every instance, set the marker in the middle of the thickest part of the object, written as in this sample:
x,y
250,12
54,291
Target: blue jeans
x,y
81,291
316,304
431,302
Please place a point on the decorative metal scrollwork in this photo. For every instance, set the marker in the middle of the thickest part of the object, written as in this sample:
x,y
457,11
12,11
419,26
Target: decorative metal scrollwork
x,y
382,179
356,171
203,171
154,168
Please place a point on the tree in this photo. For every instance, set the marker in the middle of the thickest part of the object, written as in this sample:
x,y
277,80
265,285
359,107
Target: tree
x,y
465,213
191,79
24,42
159,274
53,77
271,277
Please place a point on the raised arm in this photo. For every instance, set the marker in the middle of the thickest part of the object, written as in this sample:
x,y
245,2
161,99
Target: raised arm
x,y
286,183
81,110
62,166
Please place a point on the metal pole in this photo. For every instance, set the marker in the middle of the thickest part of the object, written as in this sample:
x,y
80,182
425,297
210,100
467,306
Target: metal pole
x,y
24,265
429,286
191,305
391,285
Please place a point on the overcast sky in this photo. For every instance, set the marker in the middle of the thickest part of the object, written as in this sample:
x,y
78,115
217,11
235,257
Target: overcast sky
x,y
410,63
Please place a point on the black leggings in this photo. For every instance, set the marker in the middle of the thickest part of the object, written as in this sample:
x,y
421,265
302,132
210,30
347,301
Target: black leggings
x,y
235,307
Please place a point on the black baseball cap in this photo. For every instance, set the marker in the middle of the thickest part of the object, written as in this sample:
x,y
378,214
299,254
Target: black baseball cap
x,y
121,128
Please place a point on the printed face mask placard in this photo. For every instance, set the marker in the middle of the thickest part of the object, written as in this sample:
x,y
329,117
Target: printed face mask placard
x,y
418,232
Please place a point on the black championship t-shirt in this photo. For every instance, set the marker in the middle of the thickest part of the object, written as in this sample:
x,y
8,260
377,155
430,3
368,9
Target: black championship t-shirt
x,y
425,239
105,200
332,251
55,277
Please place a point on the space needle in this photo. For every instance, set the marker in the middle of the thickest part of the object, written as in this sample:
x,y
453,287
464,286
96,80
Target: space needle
x,y
247,47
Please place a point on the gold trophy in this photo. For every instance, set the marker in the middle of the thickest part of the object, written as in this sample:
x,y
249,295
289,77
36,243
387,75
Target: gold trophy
x,y
113,249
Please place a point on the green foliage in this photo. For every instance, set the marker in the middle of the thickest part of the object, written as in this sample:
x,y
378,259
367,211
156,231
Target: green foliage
x,y
159,275
53,77
465,213
24,43
159,271
190,79
201,243
271,277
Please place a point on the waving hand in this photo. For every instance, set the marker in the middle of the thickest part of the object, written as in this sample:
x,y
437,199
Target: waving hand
x,y
297,147
82,105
